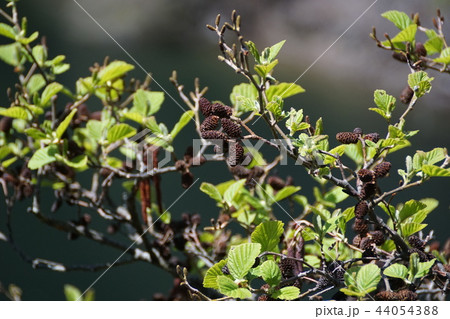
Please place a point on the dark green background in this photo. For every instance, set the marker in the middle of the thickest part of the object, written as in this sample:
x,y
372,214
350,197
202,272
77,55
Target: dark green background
x,y
163,36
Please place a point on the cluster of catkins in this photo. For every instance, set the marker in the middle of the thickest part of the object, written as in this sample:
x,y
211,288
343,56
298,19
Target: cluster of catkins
x,y
353,137
226,141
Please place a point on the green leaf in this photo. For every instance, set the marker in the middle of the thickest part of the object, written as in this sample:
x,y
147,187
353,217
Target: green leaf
x,y
431,204
7,31
335,195
211,191
30,39
229,288
270,272
95,129
400,19
268,235
283,90
276,107
245,90
210,280
10,53
433,170
424,268
396,271
444,57
420,83
16,112
241,258
50,91
434,45
410,208
72,293
264,69
120,131
286,192
286,293
147,102
275,49
435,155
79,161
368,278
65,124
354,152
413,266
232,191
406,35
294,122
182,122
254,51
114,70
40,54
411,228
385,102
43,157
35,83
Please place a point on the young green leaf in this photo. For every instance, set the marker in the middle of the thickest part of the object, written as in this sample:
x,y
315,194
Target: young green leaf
x,y
286,293
147,103
270,272
268,235
286,192
120,131
79,161
410,208
444,57
284,90
411,228
72,293
65,124
10,53
274,50
7,31
50,91
114,70
419,82
241,258
211,191
406,35
232,191
254,51
400,19
229,288
16,112
396,271
43,157
210,280
182,122
424,268
385,103
433,170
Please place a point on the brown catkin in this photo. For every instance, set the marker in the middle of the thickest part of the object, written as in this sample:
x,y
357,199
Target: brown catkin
x,y
420,49
366,243
358,130
180,165
214,135
377,237
210,123
235,154
205,107
5,124
416,242
276,182
187,179
360,226
232,129
240,171
407,295
399,56
382,169
374,137
406,95
222,111
361,209
263,298
368,190
287,267
366,175
387,296
347,137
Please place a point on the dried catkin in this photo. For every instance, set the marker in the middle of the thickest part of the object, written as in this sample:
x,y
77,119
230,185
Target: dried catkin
x,y
347,137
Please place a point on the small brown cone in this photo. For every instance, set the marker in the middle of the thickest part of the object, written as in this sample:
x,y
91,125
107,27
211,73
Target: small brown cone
x,y
210,123
361,209
406,95
232,129
374,137
382,169
347,137
205,107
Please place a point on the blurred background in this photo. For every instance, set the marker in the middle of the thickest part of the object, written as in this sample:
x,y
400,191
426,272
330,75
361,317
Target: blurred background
x,y
171,35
